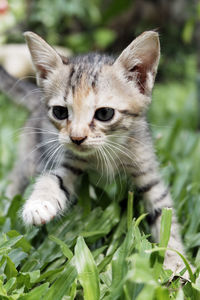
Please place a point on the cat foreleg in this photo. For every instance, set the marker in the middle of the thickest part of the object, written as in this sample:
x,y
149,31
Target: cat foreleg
x,y
50,197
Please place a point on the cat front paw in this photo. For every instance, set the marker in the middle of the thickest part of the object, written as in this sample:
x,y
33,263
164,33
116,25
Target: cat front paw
x,y
38,211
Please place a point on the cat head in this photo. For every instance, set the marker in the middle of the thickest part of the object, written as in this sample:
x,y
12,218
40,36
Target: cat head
x,y
93,99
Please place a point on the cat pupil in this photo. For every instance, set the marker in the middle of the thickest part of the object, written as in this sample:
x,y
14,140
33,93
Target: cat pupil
x,y
104,114
60,112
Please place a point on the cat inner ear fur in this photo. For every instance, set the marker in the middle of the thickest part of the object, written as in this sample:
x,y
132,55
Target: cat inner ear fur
x,y
45,59
140,61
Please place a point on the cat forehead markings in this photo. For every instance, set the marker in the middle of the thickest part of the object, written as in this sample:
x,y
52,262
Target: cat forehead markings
x,y
83,100
85,69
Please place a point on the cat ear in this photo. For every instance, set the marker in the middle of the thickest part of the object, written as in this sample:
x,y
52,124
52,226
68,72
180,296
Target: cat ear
x,y
45,58
140,61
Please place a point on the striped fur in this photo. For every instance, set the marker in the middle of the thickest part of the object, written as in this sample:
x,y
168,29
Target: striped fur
x,y
85,84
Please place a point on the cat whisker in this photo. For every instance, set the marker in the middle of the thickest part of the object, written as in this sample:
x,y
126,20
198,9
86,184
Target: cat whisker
x,y
105,164
46,154
111,176
49,159
125,152
56,159
37,130
112,173
117,169
121,163
129,137
99,162
38,146
60,159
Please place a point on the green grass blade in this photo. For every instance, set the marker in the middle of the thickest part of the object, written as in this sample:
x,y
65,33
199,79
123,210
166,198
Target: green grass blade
x,y
9,284
164,239
130,210
165,228
62,283
10,270
36,293
65,249
139,219
87,271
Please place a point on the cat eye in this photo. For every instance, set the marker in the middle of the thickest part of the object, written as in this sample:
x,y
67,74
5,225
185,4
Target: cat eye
x,y
104,114
60,112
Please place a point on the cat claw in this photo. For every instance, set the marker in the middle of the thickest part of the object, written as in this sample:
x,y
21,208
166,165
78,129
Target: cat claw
x,y
38,212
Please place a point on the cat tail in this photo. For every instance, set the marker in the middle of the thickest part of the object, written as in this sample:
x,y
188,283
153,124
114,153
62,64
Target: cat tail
x,y
20,91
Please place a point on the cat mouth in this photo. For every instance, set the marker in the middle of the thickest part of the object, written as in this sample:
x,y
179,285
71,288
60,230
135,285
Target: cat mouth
x,y
81,150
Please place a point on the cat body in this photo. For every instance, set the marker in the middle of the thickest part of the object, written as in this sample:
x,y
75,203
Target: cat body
x,y
93,117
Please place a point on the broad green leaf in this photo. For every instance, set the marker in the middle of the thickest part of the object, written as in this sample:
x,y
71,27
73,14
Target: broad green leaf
x,y
87,271
48,274
9,284
34,275
62,283
3,291
165,227
13,209
37,293
22,243
10,269
4,250
11,242
126,293
73,290
162,293
17,255
65,249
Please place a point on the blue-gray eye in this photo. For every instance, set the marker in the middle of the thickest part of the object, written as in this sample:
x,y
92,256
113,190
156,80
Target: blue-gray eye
x,y
60,112
104,114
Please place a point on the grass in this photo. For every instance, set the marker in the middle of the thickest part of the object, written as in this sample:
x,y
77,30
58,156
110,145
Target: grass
x,y
101,249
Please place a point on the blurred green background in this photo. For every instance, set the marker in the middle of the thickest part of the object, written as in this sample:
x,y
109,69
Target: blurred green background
x,y
109,26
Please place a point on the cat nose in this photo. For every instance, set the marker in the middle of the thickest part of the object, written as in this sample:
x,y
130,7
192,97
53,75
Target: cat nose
x,y
78,139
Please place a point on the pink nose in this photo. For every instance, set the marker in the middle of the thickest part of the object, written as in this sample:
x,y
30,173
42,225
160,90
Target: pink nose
x,y
78,139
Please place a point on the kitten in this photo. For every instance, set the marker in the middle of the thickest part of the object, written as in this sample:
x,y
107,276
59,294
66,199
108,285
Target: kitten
x,y
96,106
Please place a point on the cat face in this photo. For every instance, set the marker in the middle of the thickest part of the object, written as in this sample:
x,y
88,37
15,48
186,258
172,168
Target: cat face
x,y
95,100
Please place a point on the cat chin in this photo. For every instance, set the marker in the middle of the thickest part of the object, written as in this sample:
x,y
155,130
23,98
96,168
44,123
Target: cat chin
x,y
81,151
